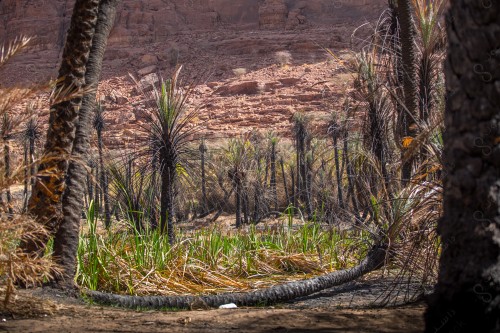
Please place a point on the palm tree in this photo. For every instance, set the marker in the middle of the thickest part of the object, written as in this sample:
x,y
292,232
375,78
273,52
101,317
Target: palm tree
x,y
45,200
30,135
273,142
66,238
170,131
301,136
409,116
466,297
336,132
238,154
99,125
204,200
6,131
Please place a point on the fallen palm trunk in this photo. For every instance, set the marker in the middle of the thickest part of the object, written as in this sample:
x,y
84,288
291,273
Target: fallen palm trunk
x,y
279,293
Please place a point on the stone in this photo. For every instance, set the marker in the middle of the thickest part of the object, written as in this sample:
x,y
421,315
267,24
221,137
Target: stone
x,y
147,70
240,88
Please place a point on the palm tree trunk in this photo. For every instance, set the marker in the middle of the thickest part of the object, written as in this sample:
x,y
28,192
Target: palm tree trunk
x,y
26,176
6,156
238,201
167,202
45,200
409,117
272,295
282,164
273,176
204,201
66,238
467,295
337,171
104,175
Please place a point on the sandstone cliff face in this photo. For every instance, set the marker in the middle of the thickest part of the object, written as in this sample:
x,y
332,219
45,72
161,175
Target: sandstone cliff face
x,y
149,21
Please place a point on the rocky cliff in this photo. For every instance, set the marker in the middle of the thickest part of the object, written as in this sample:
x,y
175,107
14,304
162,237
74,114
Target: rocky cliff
x,y
229,46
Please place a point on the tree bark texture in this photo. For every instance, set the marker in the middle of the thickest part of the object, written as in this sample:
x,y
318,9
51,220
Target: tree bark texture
x,y
45,200
409,116
66,238
467,295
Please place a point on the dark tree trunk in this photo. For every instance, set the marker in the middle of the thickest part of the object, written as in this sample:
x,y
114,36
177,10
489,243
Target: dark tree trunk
x,y
409,117
104,174
308,187
204,201
238,201
66,238
45,200
153,220
350,177
272,295
6,151
284,182
273,176
294,193
167,197
26,177
467,295
246,207
337,170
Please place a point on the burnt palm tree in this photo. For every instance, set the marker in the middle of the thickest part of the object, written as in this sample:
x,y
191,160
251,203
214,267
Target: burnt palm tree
x,y
30,135
273,142
336,132
409,65
99,123
466,297
46,197
171,130
66,237
7,134
204,200
301,136
238,153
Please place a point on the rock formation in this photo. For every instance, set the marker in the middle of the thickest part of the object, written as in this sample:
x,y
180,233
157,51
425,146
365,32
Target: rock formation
x,y
273,14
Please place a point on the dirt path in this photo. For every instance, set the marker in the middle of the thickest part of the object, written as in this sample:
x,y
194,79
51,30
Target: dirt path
x,y
346,308
97,319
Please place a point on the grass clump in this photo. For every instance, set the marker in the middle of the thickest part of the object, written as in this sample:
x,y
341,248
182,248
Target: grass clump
x,y
211,260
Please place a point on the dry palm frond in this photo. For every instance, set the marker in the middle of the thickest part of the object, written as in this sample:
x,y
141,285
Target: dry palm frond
x,y
16,266
9,50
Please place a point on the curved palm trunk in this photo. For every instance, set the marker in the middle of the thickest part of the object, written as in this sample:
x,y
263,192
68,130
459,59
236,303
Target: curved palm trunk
x,y
66,238
409,117
275,294
467,295
45,200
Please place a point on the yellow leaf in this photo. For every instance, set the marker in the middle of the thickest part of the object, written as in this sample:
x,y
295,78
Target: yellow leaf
x,y
407,140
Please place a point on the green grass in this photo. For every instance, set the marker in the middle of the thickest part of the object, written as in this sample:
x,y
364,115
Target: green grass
x,y
211,260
